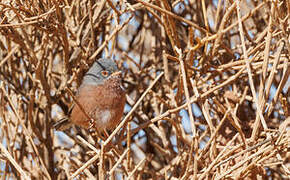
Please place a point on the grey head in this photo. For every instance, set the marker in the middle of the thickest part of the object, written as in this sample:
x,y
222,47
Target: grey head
x,y
101,70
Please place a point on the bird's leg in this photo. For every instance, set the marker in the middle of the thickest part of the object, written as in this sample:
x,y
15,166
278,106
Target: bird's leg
x,y
94,130
106,134
92,125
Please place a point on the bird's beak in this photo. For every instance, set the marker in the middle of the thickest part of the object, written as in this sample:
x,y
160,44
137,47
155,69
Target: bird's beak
x,y
118,73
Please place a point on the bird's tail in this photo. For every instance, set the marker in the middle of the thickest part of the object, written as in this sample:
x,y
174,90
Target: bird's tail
x,y
62,124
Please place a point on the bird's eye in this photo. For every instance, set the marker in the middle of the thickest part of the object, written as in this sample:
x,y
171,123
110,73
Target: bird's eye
x,y
105,73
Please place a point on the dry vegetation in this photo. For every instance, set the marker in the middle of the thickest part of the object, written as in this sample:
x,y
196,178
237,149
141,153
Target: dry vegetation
x,y
208,95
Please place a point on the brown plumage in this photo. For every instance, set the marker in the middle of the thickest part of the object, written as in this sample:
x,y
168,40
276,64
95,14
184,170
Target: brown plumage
x,y
101,97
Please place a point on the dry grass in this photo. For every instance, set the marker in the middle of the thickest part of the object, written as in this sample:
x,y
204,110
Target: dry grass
x,y
207,85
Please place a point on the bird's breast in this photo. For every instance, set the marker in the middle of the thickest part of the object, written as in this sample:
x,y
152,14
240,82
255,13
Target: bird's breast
x,y
104,103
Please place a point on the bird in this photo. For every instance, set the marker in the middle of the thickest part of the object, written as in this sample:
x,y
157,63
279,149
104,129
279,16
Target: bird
x,y
100,99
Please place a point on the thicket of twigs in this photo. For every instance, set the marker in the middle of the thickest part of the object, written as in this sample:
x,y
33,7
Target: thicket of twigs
x,y
208,96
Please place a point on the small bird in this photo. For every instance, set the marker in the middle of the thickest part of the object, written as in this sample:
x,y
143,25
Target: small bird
x,y
101,96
